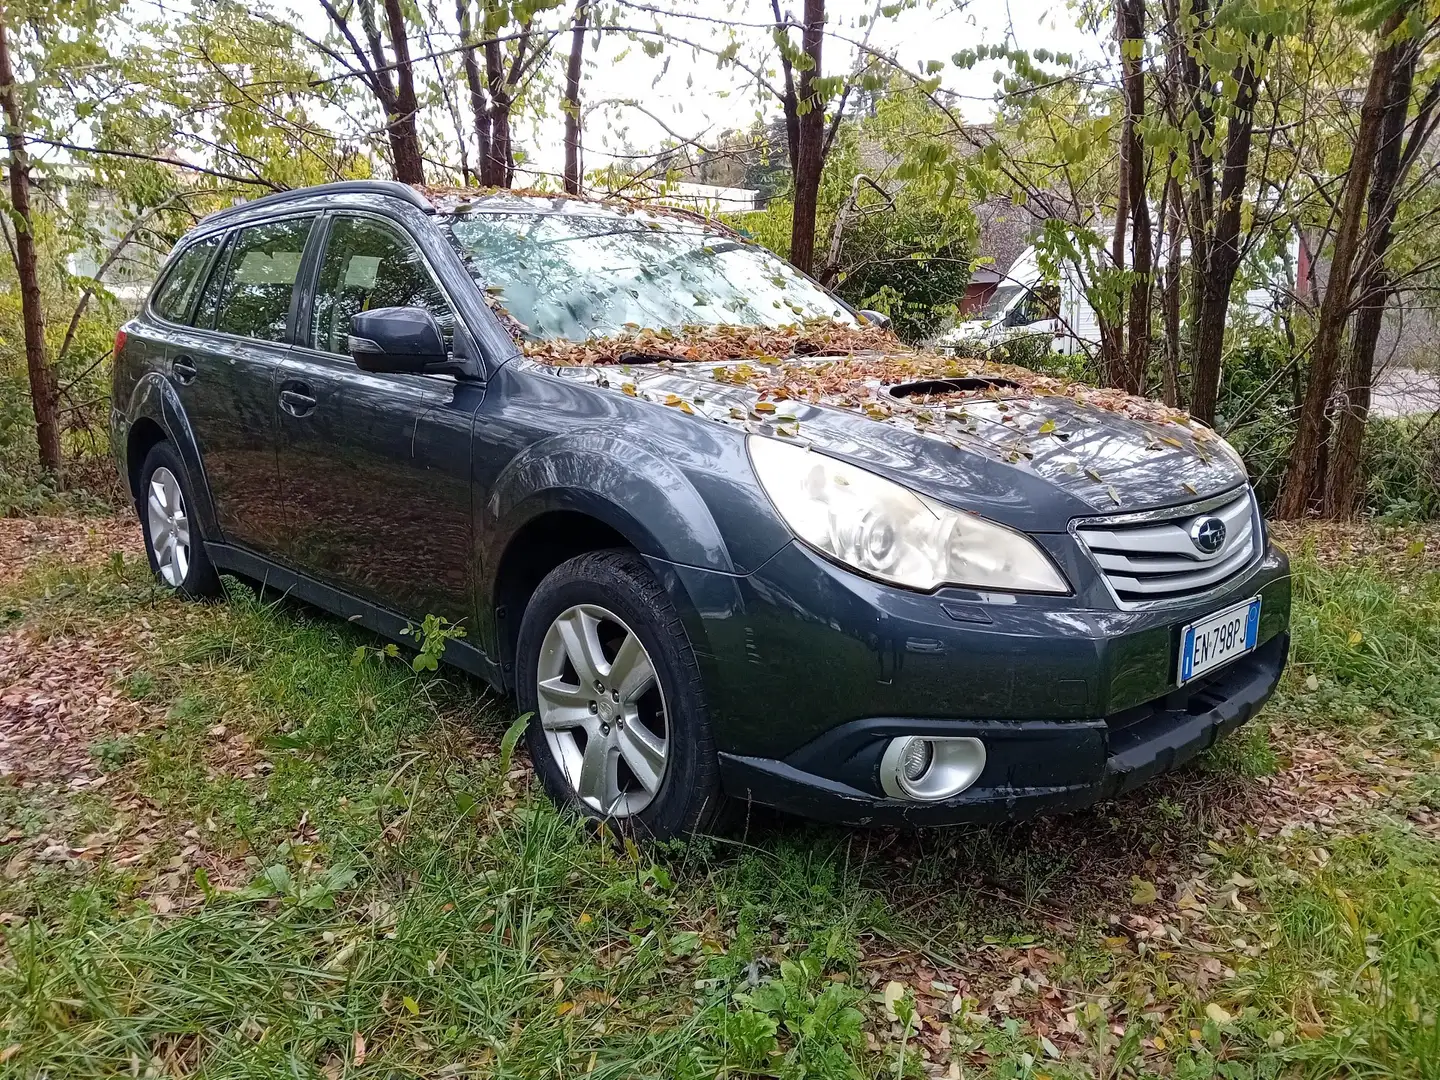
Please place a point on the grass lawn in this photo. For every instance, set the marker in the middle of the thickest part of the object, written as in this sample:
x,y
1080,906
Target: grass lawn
x,y
240,841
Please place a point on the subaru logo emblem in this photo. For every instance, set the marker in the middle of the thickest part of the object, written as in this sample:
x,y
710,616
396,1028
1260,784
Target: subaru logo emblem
x,y
1207,534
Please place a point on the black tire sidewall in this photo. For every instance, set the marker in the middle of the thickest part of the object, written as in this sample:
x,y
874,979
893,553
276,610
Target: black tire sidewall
x,y
201,581
689,798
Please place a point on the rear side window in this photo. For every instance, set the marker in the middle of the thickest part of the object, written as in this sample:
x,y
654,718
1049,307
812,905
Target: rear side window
x,y
259,278
176,294
369,264
210,298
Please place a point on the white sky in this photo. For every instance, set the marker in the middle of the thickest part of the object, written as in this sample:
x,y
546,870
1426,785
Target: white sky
x,y
696,100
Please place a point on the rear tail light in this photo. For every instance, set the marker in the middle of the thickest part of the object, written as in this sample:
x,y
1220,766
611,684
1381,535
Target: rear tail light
x,y
119,343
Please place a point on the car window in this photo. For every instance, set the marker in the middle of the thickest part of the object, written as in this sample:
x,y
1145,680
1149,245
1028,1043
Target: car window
x,y
370,264
176,293
210,296
1043,302
264,262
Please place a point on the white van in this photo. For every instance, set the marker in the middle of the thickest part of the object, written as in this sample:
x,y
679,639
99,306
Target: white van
x,y
1026,303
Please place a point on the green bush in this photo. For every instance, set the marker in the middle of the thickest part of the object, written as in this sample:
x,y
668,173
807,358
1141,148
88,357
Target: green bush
x,y
1402,469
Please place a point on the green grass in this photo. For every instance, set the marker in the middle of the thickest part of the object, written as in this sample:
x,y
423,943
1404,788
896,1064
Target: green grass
x,y
327,867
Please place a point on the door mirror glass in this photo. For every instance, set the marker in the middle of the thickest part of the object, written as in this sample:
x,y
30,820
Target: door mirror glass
x,y
403,339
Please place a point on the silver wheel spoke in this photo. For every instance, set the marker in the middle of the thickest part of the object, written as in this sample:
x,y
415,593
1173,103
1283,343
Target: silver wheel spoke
x,y
631,674
578,631
564,707
643,752
596,783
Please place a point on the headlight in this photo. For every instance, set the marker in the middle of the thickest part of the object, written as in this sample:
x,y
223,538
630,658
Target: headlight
x,y
891,532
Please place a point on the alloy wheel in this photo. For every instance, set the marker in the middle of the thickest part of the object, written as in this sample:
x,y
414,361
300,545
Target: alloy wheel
x,y
602,710
169,527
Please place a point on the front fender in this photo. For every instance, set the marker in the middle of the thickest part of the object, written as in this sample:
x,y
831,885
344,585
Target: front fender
x,y
154,399
636,492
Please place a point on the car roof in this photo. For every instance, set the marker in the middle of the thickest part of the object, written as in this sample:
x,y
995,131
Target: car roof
x,y
458,201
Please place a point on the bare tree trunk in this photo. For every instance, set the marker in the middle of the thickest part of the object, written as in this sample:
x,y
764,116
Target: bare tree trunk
x,y
1112,330
497,169
1342,495
44,395
1137,351
1170,295
402,113
1223,248
810,144
479,107
571,104
1304,476
497,165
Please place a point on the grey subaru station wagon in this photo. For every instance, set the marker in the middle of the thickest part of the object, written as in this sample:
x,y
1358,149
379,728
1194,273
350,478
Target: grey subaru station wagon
x,y
725,537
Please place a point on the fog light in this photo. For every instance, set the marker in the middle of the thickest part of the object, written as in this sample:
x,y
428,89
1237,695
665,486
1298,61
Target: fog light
x,y
929,769
916,758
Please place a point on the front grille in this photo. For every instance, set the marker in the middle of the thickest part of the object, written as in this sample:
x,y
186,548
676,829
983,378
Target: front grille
x,y
1151,557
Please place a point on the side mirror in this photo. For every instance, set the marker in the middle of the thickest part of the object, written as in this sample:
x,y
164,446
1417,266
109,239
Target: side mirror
x,y
877,318
401,339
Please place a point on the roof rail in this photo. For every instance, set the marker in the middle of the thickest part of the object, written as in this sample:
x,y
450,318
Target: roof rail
x,y
394,189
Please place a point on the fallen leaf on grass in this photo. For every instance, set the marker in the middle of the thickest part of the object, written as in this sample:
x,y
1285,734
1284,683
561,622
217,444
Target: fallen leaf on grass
x,y
1216,1013
1143,891
894,991
358,1049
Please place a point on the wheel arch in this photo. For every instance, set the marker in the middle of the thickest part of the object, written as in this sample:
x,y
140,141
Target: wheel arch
x,y
557,501
155,415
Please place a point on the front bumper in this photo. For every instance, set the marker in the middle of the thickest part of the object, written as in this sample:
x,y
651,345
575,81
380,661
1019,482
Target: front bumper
x,y
809,669
1031,766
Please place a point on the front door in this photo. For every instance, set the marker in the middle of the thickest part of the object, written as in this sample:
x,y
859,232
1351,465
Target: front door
x,y
224,367
375,468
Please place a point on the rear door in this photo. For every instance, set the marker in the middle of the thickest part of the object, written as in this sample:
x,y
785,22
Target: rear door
x,y
375,467
224,367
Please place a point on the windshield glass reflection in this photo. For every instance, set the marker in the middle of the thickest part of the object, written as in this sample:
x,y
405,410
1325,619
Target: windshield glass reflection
x,y
575,276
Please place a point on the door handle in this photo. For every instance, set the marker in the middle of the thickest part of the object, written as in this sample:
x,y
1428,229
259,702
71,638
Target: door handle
x,y
184,370
296,403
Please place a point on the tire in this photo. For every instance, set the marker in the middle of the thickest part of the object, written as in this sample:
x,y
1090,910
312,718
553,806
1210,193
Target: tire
x,y
164,505
588,760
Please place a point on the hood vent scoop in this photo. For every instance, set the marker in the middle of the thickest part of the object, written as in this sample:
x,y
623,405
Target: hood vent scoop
x,y
968,384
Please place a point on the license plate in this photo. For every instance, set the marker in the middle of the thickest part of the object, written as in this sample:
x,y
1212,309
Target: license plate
x,y
1217,639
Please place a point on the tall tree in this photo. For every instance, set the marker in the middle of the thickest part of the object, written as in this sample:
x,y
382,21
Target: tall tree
x,y
44,395
474,84
1128,367
1198,35
390,82
509,66
807,154
804,96
1298,487
1392,165
571,103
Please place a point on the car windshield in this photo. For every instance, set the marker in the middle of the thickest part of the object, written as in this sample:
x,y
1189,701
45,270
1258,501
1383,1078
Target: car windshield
x,y
577,276
1000,299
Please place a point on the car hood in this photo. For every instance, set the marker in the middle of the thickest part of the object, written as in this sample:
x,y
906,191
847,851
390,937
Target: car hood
x,y
1032,456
